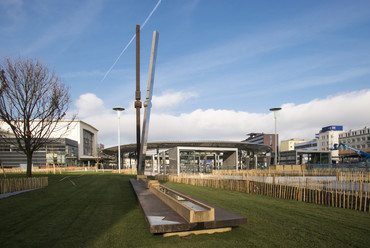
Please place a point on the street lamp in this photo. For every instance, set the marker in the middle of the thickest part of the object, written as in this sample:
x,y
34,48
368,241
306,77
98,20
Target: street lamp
x,y
275,110
119,109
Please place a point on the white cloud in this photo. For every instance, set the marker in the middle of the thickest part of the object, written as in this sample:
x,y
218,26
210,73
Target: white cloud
x,y
92,110
89,105
170,100
347,109
294,121
207,124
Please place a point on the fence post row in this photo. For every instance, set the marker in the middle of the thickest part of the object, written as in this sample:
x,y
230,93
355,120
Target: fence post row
x,y
349,191
10,185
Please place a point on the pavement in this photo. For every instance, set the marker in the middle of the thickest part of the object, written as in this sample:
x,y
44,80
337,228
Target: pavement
x,y
15,193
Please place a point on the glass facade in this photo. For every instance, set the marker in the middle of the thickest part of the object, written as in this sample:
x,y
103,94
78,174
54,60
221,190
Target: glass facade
x,y
188,163
88,139
71,155
201,159
62,153
4,147
55,154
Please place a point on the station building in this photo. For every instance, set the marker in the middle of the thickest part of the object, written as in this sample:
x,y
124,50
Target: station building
x,y
302,156
175,157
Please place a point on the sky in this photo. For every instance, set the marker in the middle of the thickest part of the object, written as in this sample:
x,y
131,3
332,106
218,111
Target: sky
x,y
221,65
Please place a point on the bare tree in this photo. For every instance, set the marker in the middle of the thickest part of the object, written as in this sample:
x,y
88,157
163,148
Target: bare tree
x,y
32,102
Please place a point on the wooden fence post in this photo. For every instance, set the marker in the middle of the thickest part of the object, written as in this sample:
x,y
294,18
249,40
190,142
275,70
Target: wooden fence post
x,y
361,193
2,166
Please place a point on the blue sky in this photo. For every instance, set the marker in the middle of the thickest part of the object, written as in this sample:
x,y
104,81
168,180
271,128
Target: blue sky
x,y
220,65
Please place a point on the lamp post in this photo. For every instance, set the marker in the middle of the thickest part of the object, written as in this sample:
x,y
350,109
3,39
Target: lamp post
x,y
119,109
275,116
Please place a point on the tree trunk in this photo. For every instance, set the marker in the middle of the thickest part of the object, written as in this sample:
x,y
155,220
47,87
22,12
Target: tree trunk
x,y
29,165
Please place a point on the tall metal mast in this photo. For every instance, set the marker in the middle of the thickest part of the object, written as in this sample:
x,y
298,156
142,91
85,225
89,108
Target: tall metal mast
x,y
148,102
138,104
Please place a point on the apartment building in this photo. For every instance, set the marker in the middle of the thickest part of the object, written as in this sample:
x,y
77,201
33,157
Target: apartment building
x,y
359,139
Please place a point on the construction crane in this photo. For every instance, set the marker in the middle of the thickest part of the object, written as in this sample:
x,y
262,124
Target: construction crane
x,y
359,152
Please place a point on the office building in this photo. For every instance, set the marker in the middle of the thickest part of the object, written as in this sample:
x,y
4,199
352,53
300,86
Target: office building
x,y
71,144
289,145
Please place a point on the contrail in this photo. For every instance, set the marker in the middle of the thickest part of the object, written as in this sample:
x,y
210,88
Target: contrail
x,y
132,39
151,13
115,62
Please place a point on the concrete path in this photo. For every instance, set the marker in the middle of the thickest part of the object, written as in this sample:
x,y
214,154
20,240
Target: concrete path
x,y
15,193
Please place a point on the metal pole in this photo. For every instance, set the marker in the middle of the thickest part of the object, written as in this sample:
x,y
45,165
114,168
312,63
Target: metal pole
x,y
119,142
138,104
275,116
119,109
275,138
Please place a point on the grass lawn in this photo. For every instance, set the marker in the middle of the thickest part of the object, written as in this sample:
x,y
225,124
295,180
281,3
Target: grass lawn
x,y
101,210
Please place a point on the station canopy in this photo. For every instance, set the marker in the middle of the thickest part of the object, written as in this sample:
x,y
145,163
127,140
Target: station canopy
x,y
163,145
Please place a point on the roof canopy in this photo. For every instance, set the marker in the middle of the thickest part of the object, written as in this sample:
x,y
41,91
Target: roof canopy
x,y
171,144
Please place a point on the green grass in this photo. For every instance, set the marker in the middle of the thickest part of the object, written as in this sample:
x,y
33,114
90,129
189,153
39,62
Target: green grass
x,y
102,211
276,222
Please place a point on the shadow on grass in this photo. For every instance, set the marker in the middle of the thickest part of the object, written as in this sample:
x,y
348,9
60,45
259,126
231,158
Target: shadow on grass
x,y
71,212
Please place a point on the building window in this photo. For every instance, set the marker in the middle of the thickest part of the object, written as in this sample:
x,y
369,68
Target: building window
x,y
4,148
88,138
71,155
55,154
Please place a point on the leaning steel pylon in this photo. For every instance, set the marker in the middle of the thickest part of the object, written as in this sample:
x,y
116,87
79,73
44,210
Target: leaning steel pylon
x,y
148,104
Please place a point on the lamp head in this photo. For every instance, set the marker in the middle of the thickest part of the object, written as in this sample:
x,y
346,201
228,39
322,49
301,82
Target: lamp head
x,y
275,109
118,109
